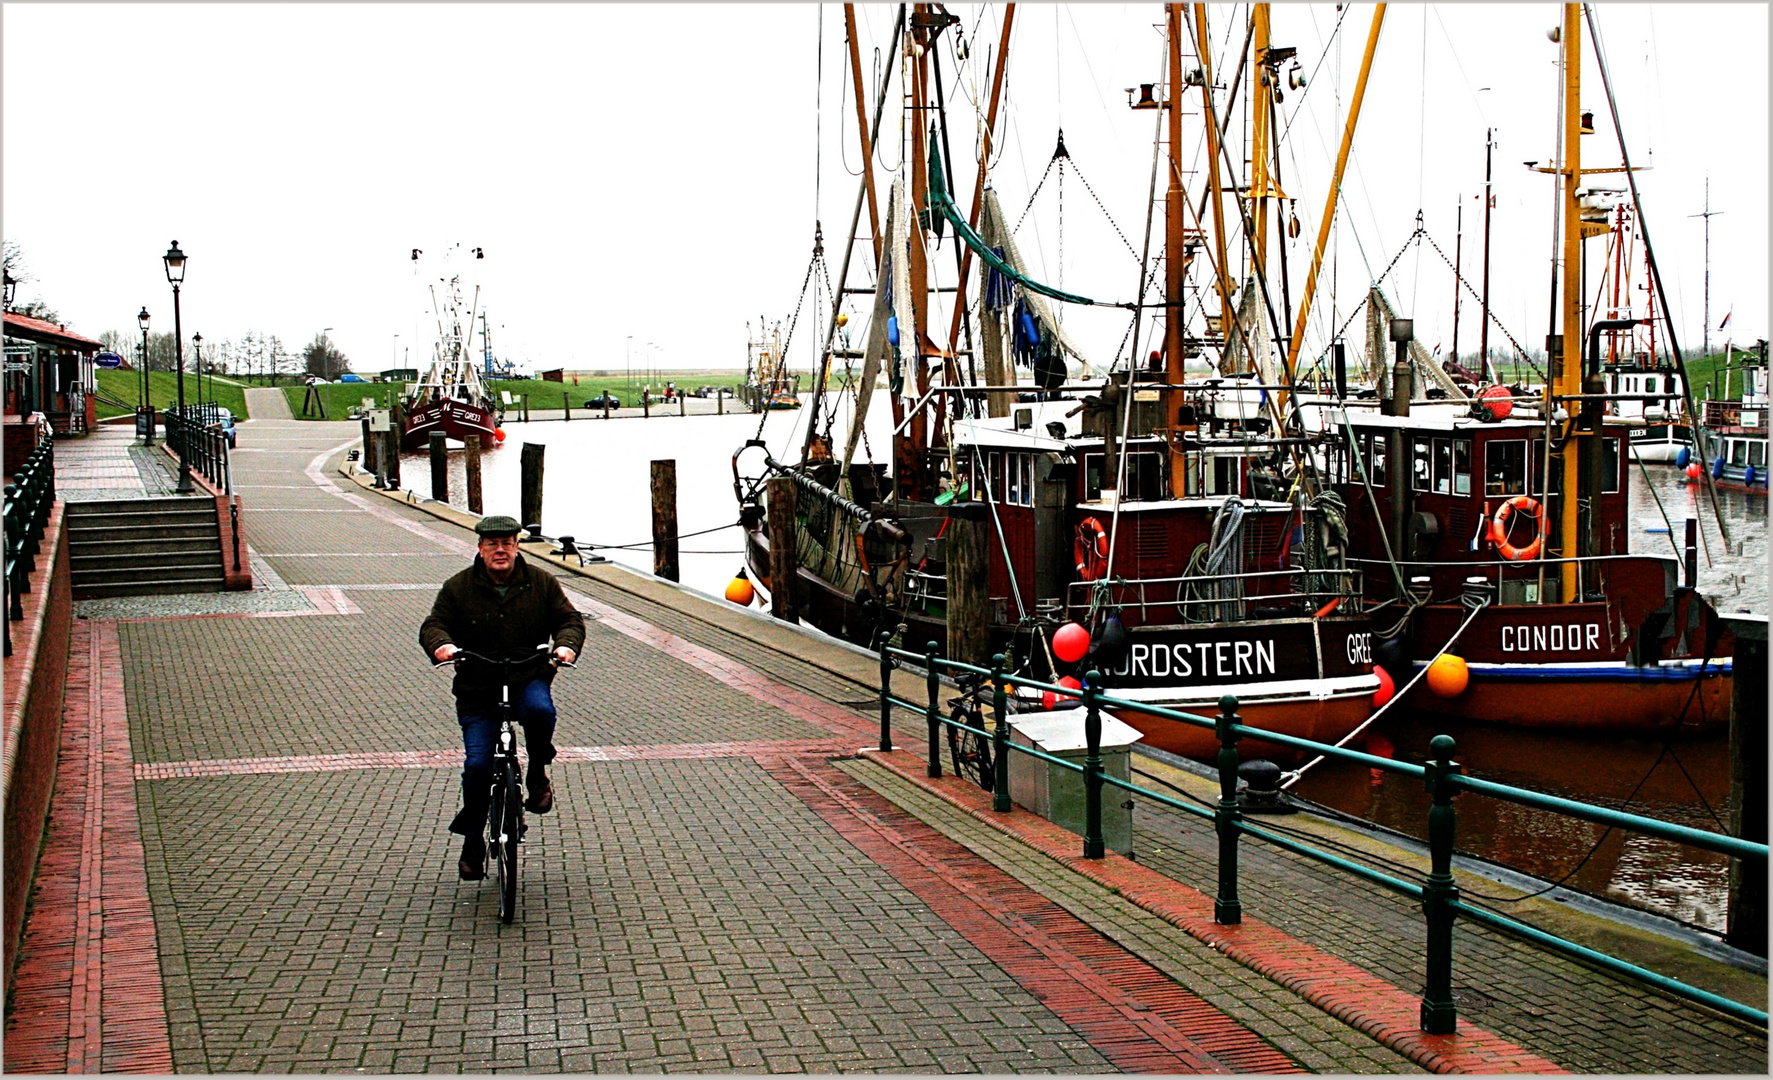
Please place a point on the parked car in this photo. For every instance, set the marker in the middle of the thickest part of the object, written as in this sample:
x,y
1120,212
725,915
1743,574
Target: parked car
x,y
225,418
598,402
352,377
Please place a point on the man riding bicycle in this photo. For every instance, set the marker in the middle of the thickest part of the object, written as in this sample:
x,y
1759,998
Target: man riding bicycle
x,y
501,607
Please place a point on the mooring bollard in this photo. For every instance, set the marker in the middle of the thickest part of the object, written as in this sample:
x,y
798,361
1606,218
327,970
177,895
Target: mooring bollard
x,y
1094,847
1000,735
934,716
566,404
1226,906
1440,1016
439,468
606,404
779,500
682,405
646,402
886,690
391,456
471,459
720,403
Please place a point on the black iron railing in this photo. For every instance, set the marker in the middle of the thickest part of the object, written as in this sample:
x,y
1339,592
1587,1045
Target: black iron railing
x,y
28,500
1437,892
196,436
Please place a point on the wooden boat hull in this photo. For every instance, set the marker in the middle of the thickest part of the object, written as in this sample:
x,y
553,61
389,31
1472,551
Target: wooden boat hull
x,y
1613,698
458,420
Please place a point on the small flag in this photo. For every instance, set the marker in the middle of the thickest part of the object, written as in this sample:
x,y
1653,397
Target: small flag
x,y
1726,321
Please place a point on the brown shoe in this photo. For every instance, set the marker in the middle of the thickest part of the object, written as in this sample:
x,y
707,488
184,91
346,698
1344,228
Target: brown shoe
x,y
541,797
472,865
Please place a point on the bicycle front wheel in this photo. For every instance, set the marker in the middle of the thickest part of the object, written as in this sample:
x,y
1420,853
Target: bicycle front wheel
x,y
509,825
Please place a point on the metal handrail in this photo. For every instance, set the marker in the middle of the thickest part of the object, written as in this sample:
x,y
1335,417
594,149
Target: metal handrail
x,y
27,504
1438,893
198,428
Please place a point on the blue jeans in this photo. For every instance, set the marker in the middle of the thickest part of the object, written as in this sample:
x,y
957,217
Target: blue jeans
x,y
480,739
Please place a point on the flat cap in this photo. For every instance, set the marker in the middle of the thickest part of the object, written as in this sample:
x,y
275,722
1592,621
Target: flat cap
x,y
498,525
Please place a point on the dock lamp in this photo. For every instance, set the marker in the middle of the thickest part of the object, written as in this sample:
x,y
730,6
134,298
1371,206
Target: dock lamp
x,y
175,274
197,362
146,399
11,289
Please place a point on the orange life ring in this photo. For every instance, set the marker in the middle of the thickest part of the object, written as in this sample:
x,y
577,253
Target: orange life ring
x,y
1499,527
1090,549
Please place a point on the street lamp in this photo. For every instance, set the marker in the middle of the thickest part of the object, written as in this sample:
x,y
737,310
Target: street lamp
x,y
11,289
197,346
175,273
147,398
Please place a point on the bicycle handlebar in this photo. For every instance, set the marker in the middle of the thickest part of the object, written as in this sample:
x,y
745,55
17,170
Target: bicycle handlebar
x,y
505,666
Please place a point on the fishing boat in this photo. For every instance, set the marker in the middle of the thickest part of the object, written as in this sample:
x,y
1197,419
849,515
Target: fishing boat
x,y
1495,538
1173,518
1736,428
450,396
768,383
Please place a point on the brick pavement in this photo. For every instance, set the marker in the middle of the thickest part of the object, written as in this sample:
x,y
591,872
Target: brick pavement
x,y
711,893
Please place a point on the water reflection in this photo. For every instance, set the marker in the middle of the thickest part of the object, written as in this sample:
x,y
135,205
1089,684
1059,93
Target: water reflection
x,y
1682,780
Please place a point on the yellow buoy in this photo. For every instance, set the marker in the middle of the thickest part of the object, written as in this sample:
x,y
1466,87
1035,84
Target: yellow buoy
x,y
843,318
1448,676
740,590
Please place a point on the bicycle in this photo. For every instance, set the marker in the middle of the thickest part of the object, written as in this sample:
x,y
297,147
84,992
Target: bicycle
x,y
969,750
505,824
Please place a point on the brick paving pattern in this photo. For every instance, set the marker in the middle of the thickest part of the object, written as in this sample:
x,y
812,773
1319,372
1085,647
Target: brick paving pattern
x,y
720,888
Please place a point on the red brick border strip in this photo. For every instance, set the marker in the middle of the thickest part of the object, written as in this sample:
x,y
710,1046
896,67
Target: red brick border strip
x,y
1355,997
1131,1013
87,995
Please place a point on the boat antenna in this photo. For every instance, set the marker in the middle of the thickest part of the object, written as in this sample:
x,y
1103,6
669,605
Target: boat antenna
x,y
1698,429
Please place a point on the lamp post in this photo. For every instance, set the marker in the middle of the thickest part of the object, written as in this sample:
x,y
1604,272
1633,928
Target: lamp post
x,y
11,289
147,397
175,273
197,347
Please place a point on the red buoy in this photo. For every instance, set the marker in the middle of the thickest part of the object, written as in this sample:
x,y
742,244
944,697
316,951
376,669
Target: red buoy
x,y
1071,642
1386,687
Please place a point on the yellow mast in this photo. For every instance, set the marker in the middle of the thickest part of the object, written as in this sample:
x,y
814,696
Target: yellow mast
x,y
1567,365
1206,93
1175,248
1329,215
1259,136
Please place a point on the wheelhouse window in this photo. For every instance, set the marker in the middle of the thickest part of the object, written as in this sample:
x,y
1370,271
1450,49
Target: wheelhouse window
x,y
1145,476
1609,466
1443,466
1757,455
1739,451
1376,459
1462,466
1505,467
1421,474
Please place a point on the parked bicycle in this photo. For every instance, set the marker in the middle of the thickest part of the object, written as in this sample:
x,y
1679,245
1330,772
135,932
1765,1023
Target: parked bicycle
x,y
970,751
505,826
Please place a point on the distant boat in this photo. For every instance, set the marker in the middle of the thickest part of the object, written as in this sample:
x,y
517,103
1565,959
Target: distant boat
x,y
450,397
1737,430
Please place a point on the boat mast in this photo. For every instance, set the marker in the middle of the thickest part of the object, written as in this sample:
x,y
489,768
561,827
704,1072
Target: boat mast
x,y
1329,215
1260,98
1458,247
1705,328
909,469
1175,245
1489,202
1215,193
1566,361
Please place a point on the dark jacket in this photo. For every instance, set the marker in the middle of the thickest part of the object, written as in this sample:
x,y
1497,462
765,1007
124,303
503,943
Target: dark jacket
x,y
470,614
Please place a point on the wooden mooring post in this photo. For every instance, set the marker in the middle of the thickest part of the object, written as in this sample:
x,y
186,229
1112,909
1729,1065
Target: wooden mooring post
x,y
1746,922
784,550
566,404
969,599
530,486
646,402
665,519
370,445
439,467
391,456
471,458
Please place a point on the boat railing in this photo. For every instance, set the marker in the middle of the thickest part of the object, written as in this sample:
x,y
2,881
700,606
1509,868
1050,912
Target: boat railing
x,y
1523,581
1719,414
1259,594
1442,776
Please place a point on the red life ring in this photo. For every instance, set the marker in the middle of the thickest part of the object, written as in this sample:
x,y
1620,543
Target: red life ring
x,y
1090,549
1522,504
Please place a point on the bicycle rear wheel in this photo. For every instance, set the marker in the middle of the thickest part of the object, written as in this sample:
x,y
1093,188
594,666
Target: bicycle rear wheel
x,y
970,753
509,824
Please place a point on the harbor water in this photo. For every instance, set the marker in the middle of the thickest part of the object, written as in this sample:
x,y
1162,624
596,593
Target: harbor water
x,y
596,489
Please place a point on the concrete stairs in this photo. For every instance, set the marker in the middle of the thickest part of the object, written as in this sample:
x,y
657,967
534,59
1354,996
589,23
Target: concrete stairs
x,y
144,547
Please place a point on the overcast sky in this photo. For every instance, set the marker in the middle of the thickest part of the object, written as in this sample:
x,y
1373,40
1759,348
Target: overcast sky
x,y
648,172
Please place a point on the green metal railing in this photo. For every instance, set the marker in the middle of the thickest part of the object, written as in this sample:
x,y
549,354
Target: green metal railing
x,y
1437,892
28,500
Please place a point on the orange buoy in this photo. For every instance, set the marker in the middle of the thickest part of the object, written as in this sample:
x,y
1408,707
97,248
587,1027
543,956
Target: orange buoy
x,y
1693,470
1386,687
740,590
499,434
1448,676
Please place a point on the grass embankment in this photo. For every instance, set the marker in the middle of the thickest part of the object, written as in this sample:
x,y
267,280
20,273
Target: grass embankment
x,y
1702,371
341,398
163,388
